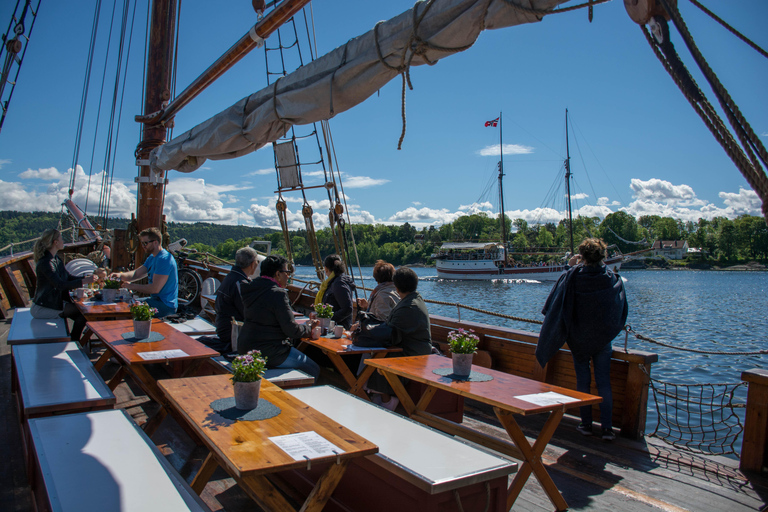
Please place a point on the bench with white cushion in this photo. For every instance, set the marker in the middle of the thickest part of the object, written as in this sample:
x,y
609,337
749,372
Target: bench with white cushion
x,y
25,329
101,460
283,377
194,326
416,468
54,378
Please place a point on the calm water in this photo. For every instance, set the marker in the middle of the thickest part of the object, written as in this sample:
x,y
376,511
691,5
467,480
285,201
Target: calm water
x,y
704,310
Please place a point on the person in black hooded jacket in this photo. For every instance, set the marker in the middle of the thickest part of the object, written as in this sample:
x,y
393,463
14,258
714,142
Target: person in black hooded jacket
x,y
587,308
337,290
269,324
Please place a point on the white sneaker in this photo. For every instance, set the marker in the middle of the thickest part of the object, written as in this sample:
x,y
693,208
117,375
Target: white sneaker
x,y
391,404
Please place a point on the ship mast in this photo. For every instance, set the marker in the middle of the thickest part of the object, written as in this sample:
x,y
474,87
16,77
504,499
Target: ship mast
x,y
568,180
501,192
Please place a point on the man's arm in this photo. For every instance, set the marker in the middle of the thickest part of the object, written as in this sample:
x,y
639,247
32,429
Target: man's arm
x,y
158,281
133,275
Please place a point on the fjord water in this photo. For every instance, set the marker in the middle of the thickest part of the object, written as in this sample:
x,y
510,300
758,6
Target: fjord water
x,y
717,311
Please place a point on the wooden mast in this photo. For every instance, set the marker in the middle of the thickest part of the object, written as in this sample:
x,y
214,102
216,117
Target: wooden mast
x,y
501,192
568,180
151,190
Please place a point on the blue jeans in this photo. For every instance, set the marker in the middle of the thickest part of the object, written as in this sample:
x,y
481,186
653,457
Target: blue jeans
x,y
297,359
163,309
602,367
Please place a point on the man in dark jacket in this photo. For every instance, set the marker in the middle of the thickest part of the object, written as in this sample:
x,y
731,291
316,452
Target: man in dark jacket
x,y
586,308
269,324
229,304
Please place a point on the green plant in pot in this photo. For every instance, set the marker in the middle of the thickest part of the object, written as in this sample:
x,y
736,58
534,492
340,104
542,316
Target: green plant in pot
x,y
142,314
324,314
247,372
463,346
110,290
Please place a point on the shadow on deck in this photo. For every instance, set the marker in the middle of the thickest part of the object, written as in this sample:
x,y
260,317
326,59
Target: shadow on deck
x,y
619,476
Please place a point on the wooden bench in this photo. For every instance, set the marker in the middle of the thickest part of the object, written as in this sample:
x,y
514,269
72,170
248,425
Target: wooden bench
x,y
54,378
25,329
417,468
101,460
285,378
195,326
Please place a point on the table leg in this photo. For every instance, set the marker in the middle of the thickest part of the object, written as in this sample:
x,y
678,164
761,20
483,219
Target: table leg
x,y
340,365
532,457
99,364
324,487
264,493
204,474
117,378
400,392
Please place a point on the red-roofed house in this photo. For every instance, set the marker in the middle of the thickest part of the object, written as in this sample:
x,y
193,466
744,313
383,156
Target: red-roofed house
x,y
672,249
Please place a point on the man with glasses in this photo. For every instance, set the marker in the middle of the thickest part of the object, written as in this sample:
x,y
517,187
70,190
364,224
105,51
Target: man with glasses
x,y
160,267
270,325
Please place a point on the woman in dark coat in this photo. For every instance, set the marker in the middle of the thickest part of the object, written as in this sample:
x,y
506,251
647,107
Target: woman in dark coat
x,y
337,290
52,298
586,308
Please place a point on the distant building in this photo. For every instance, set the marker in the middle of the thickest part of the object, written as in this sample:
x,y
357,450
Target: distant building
x,y
419,239
671,249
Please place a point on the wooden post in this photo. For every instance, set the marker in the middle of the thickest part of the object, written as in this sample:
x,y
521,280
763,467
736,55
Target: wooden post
x,y
635,408
755,441
121,258
158,91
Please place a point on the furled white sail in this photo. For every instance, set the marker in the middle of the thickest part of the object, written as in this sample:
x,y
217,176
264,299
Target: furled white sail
x,y
344,77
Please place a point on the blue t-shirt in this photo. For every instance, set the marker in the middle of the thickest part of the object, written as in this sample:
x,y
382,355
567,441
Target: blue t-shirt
x,y
164,265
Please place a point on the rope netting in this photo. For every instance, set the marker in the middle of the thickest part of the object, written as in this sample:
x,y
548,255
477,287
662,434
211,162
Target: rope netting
x,y
699,418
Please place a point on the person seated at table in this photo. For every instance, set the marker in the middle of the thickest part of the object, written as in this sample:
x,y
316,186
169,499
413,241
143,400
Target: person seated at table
x,y
384,297
269,324
52,298
229,303
337,290
407,327
160,267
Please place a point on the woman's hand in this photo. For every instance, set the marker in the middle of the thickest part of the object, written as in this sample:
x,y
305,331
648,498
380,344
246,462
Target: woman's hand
x,y
355,326
362,303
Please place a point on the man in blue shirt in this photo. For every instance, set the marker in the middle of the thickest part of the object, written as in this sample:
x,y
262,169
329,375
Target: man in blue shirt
x,y
160,267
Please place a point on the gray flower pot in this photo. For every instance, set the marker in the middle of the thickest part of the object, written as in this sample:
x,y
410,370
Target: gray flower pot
x,y
462,364
247,394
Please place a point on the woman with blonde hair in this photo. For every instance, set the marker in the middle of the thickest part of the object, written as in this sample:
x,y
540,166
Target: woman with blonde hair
x,y
52,298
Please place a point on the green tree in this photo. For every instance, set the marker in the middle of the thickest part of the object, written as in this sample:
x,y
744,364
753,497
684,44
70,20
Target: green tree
x,y
617,227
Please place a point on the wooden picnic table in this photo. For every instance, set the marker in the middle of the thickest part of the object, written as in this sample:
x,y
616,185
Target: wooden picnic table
x,y
95,311
504,394
334,348
135,356
244,448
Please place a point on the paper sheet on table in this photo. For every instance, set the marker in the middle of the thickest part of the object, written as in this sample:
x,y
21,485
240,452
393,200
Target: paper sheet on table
x,y
306,445
549,398
162,354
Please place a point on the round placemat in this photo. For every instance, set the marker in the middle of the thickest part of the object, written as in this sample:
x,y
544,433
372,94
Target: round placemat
x,y
225,407
153,336
472,377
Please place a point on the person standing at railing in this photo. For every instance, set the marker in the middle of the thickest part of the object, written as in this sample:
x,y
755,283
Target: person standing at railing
x,y
160,267
587,308
52,298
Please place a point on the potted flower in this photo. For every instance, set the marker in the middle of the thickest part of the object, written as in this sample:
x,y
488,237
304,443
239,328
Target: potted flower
x,y
247,371
463,346
111,289
324,314
142,314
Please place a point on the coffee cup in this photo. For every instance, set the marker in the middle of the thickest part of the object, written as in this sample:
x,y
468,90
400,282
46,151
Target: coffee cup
x,y
80,293
338,331
316,333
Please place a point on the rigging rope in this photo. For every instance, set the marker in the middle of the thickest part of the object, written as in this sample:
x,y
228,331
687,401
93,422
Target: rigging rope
x,y
730,28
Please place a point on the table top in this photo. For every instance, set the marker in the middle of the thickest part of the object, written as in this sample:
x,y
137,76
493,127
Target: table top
x,y
110,332
502,391
244,447
94,310
341,346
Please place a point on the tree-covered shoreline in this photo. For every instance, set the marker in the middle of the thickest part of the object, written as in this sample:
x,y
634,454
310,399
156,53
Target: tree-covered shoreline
x,y
723,242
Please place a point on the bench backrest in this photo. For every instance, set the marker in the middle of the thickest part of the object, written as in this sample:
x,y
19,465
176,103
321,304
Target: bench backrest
x,y
430,460
25,329
101,460
282,377
56,377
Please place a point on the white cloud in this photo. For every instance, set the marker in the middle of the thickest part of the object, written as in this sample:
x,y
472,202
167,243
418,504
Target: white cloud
x,y
265,215
51,173
580,195
664,191
509,149
362,182
3,162
260,172
416,203
424,217
194,200
476,208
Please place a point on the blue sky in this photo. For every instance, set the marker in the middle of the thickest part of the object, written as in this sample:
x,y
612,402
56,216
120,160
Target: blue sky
x,y
636,144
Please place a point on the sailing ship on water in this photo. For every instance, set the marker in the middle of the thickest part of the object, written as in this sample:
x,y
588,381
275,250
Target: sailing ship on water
x,y
495,260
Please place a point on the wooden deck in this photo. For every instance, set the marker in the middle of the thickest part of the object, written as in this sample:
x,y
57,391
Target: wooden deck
x,y
593,475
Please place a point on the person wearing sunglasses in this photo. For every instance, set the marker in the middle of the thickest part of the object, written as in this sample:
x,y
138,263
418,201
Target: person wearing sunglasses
x,y
270,325
160,267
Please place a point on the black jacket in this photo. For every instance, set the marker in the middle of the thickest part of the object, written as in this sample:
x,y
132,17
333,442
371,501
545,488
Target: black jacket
x,y
339,295
586,308
269,324
229,304
53,282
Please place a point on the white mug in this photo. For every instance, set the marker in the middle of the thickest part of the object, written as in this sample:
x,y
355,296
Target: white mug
x,y
338,331
80,293
331,325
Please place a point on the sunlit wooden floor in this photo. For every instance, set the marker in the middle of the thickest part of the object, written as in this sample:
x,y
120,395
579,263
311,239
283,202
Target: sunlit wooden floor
x,y
593,475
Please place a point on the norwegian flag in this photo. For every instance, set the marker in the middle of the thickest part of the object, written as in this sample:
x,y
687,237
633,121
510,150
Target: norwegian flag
x,y
492,122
